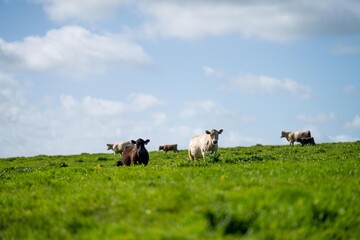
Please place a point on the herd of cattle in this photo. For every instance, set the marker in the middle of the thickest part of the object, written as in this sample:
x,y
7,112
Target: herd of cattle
x,y
134,152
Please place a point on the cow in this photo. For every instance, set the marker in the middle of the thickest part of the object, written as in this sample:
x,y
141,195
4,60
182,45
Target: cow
x,y
169,147
136,154
119,147
295,136
200,144
307,140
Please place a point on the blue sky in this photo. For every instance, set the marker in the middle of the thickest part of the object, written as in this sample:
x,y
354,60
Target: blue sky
x,y
75,76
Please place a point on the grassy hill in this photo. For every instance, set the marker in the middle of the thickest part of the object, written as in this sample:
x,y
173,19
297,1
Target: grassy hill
x,y
259,192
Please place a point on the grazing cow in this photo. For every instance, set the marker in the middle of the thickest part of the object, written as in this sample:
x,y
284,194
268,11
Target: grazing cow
x,y
307,140
170,147
207,142
295,136
136,154
119,147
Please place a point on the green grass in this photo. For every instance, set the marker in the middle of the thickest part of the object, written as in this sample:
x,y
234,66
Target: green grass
x,y
260,192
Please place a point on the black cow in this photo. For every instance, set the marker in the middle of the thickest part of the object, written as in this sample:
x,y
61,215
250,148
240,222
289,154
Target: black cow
x,y
169,147
136,154
307,140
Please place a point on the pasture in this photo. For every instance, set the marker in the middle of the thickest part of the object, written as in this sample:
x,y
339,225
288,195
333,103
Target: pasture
x,y
259,192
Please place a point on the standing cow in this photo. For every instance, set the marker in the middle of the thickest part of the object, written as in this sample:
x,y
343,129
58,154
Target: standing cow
x,y
207,142
136,154
295,136
119,147
169,147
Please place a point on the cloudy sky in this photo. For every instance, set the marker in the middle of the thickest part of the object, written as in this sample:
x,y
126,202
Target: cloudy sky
x,y
75,75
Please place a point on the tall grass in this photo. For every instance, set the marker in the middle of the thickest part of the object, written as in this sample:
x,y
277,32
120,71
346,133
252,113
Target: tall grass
x,y
260,192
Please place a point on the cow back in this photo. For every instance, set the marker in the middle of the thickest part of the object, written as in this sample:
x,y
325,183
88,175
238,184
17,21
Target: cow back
x,y
170,147
298,135
200,141
128,155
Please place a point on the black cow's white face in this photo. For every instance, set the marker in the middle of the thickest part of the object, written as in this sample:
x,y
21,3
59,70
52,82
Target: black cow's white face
x,y
214,134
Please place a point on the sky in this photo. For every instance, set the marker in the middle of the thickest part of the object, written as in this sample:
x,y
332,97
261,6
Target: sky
x,y
76,75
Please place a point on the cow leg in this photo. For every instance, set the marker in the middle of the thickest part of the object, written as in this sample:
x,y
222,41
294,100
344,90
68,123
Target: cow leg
x,y
191,157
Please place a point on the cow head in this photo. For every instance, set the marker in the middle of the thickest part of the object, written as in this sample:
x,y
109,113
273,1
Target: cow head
x,y
214,134
140,144
284,134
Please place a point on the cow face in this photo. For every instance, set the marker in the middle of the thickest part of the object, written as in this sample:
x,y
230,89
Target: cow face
x,y
140,144
284,134
214,134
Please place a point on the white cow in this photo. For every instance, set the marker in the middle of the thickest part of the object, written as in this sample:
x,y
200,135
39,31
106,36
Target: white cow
x,y
119,147
207,142
295,136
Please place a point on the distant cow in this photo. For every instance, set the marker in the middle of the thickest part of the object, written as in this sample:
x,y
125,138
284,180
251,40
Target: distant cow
x,y
119,147
307,140
207,142
295,136
136,154
169,147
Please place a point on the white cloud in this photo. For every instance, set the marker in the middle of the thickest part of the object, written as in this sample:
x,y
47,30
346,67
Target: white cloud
x,y
354,124
73,126
343,138
159,118
211,72
252,84
351,91
347,49
208,71
62,10
9,88
93,106
316,119
269,20
72,49
205,107
139,101
12,97
235,139
136,102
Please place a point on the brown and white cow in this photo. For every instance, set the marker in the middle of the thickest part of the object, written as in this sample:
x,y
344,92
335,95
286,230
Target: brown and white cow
x,y
169,147
119,147
306,141
295,136
207,142
136,154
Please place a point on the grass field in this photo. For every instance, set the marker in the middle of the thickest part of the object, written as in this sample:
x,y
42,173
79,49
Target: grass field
x,y
259,192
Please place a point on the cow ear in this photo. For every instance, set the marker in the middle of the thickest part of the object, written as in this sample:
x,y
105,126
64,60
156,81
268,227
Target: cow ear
x,y
220,131
147,141
207,132
133,142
